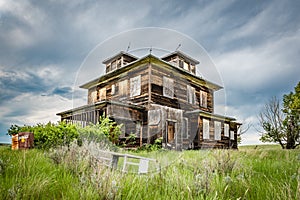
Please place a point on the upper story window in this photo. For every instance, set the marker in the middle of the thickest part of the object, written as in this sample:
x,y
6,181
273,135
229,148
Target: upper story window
x,y
123,88
113,89
191,96
135,86
93,96
168,87
203,99
102,94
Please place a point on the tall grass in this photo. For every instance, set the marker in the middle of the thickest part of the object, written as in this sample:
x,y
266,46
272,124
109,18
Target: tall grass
x,y
32,175
260,173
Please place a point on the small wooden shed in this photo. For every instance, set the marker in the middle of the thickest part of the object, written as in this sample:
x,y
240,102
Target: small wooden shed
x,y
23,140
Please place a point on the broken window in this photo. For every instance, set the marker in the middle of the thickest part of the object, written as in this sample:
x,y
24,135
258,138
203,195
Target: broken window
x,y
203,99
218,130
191,96
205,129
135,86
123,88
102,94
226,130
168,87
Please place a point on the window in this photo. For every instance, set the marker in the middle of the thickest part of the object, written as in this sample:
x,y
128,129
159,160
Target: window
x,y
102,94
123,88
232,135
186,66
119,63
226,130
113,89
168,87
205,129
135,86
185,134
217,130
108,68
181,63
203,99
191,96
113,65
93,96
154,117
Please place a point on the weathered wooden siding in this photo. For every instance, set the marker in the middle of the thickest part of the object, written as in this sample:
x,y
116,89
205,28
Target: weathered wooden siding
x,y
179,100
113,90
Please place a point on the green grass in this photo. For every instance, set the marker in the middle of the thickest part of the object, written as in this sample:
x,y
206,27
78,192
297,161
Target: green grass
x,y
31,175
263,172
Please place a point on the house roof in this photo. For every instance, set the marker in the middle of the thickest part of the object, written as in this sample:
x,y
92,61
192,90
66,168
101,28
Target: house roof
x,y
181,54
149,58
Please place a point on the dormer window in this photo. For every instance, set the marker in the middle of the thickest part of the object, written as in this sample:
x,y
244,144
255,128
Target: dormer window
x,y
182,61
118,61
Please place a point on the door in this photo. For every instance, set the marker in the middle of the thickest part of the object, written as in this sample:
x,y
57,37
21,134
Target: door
x,y
171,132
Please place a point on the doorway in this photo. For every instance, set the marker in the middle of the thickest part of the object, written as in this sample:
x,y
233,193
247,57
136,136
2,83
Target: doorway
x,y
170,132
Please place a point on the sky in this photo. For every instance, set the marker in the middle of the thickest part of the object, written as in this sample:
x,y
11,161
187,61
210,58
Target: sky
x,y
254,45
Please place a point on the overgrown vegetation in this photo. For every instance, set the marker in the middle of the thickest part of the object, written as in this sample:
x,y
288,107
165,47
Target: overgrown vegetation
x,y
282,124
73,173
52,135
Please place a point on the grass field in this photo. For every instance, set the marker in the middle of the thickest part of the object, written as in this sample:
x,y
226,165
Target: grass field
x,y
253,172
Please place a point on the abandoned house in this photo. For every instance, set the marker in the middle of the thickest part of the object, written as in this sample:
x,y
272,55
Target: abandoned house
x,y
157,98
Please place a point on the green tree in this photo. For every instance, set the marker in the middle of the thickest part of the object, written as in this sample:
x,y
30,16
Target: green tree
x,y
291,108
282,125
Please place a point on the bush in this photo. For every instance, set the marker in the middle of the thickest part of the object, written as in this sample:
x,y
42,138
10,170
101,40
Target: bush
x,y
51,135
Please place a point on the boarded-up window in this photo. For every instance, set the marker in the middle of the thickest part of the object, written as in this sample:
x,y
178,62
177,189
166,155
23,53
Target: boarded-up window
x,y
185,129
93,96
113,89
232,135
135,86
191,96
168,87
217,130
154,117
205,129
226,130
203,99
186,66
102,94
123,88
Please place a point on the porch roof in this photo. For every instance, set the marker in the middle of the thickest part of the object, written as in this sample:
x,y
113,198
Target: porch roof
x,y
211,115
99,105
